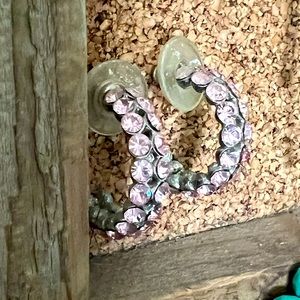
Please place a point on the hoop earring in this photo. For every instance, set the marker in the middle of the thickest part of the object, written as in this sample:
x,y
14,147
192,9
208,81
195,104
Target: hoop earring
x,y
185,82
117,101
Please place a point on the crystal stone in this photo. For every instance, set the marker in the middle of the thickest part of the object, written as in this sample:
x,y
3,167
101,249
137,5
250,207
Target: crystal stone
x,y
141,170
145,104
176,166
163,167
233,88
200,179
154,121
188,180
140,194
135,216
174,180
247,132
125,228
113,235
113,95
227,112
216,92
154,214
243,109
229,158
145,227
213,167
160,145
190,195
202,77
219,178
139,145
162,192
123,106
246,155
205,190
231,135
132,123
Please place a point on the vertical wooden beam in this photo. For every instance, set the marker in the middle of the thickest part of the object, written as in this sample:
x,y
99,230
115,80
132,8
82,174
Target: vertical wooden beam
x,y
43,148
8,164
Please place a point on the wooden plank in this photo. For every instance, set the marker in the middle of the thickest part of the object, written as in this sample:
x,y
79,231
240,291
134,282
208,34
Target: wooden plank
x,y
8,165
43,148
237,262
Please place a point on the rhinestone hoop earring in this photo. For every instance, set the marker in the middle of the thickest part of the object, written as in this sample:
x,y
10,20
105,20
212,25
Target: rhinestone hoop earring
x,y
117,101
185,81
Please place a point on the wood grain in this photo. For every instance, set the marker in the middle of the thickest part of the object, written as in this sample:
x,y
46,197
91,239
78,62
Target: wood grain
x,y
235,262
43,148
8,164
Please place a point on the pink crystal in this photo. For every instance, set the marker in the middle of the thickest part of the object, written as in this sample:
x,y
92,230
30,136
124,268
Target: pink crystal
x,y
113,95
162,192
246,155
123,106
229,159
216,92
154,121
145,227
154,214
145,104
205,190
113,235
125,228
134,215
219,178
190,195
202,77
231,135
247,132
160,145
132,123
141,170
139,145
227,112
140,194
163,168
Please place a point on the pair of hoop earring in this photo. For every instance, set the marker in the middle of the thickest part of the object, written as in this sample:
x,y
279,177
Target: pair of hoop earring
x,y
118,101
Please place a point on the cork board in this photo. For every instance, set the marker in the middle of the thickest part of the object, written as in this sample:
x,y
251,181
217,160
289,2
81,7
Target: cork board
x,y
255,43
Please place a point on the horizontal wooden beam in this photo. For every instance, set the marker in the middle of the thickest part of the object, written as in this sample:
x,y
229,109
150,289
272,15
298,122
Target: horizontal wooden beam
x,y
237,262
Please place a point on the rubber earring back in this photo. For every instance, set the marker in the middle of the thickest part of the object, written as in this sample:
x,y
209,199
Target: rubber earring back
x,y
104,77
177,53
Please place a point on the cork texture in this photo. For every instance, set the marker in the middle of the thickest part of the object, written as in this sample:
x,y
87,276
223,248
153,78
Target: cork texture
x,y
255,43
